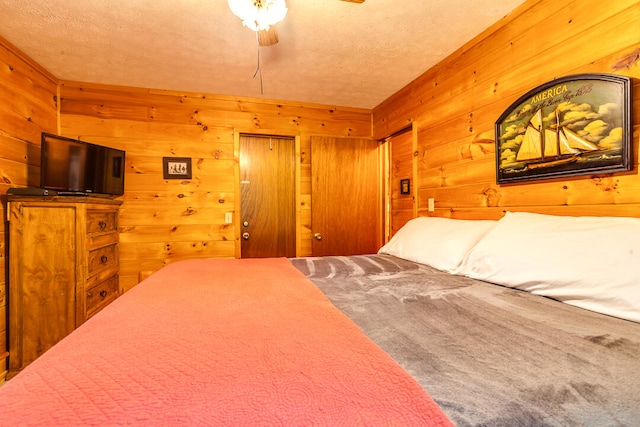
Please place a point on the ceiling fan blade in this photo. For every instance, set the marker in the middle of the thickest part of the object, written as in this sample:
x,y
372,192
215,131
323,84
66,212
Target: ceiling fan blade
x,y
268,37
355,1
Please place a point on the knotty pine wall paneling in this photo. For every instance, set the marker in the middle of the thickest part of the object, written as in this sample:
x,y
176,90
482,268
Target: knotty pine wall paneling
x,y
162,221
457,102
28,106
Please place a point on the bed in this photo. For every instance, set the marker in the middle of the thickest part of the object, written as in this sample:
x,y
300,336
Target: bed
x,y
532,320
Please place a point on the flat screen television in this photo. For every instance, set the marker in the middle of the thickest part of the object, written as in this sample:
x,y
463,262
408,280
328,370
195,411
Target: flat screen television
x,y
74,167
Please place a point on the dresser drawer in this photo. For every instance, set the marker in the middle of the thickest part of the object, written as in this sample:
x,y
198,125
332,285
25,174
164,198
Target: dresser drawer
x,y
100,240
101,221
102,259
101,295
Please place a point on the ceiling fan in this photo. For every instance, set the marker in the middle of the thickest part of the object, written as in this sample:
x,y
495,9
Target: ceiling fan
x,y
269,37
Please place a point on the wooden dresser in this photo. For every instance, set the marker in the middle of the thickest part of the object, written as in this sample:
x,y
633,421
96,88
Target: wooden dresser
x,y
63,268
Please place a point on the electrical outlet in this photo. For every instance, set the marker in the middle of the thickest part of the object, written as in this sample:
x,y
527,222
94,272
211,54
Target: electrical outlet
x,y
432,204
228,217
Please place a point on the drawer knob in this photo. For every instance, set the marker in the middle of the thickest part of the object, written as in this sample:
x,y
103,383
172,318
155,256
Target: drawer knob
x,y
104,259
103,294
102,225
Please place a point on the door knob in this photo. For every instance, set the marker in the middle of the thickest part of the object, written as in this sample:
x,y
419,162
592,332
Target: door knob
x,y
245,236
318,236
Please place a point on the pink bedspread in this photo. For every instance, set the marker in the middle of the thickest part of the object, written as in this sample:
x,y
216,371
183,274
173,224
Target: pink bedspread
x,y
218,342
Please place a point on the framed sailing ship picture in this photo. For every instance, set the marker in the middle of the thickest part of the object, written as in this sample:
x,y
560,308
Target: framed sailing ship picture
x,y
574,125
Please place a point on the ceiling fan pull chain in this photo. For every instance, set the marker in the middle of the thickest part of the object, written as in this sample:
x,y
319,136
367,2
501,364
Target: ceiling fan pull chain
x,y
259,69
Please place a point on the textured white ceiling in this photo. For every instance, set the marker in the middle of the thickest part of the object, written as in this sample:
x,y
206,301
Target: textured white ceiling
x,y
330,52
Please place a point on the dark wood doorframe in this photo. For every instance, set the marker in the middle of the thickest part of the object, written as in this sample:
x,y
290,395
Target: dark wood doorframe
x,y
407,138
273,231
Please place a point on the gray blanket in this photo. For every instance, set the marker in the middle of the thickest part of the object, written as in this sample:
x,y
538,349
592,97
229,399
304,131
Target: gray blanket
x,y
490,355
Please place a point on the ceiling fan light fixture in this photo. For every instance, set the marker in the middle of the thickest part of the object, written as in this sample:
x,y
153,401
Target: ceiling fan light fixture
x,y
259,15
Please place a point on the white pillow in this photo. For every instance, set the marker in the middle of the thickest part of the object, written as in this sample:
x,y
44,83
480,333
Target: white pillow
x,y
441,243
589,262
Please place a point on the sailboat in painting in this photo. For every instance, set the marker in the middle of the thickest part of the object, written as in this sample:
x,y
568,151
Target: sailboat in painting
x,y
550,146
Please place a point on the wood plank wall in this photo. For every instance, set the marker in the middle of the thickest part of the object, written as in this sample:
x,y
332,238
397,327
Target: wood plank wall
x,y
28,106
456,103
167,220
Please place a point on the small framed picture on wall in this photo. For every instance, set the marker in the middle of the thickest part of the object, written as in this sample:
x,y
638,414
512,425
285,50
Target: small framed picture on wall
x,y
176,167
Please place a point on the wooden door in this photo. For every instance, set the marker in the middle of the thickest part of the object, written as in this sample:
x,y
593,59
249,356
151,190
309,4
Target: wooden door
x,y
346,205
267,191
